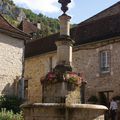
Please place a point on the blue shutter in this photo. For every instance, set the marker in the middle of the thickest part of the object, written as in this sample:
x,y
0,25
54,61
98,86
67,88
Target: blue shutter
x,y
21,88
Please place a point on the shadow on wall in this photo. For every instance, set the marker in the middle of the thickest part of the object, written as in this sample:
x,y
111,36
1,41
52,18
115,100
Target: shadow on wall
x,y
11,88
8,89
11,41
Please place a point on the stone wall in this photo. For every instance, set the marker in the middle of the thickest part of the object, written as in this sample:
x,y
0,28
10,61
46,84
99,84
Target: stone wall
x,y
86,61
11,63
35,68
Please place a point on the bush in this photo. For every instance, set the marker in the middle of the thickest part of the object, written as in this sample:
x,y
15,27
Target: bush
x,y
93,99
9,115
10,103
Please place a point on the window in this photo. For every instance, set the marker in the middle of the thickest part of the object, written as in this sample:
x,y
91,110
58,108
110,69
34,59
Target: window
x,y
105,61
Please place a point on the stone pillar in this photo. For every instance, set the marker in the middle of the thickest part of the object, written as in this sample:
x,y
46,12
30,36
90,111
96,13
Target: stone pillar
x,y
64,44
64,24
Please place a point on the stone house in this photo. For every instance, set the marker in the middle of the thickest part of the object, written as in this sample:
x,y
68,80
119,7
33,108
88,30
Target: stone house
x,y
30,28
95,55
12,43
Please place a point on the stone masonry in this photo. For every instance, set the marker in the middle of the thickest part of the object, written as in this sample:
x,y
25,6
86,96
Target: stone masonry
x,y
85,60
43,111
89,62
35,68
11,63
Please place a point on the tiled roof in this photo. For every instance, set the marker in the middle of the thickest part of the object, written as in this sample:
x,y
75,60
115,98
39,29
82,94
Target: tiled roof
x,y
40,46
90,32
86,32
27,27
112,10
8,29
98,30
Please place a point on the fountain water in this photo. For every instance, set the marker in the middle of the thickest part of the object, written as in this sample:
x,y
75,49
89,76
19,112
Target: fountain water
x,y
62,88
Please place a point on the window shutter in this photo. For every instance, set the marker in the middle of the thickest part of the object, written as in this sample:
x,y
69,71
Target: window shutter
x,y
21,88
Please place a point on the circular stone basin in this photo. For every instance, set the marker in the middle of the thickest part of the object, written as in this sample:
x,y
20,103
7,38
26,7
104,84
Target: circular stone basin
x,y
55,111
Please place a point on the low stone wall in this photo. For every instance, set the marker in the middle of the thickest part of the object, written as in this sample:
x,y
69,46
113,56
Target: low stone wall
x,y
54,111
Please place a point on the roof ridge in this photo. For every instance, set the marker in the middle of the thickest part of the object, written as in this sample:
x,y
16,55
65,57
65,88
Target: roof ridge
x,y
86,23
27,26
118,3
13,26
58,33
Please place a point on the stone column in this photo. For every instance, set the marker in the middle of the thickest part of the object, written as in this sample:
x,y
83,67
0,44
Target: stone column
x,y
64,44
64,24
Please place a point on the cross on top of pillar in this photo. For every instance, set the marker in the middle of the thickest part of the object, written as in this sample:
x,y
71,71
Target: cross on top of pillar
x,y
64,3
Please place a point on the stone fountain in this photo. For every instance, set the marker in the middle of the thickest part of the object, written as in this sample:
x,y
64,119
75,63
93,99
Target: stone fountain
x,y
63,95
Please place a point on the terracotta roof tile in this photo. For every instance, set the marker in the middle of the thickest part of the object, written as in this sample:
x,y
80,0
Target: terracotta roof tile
x,y
28,27
10,30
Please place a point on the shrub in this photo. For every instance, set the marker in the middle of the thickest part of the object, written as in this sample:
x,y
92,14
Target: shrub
x,y
10,103
9,115
117,98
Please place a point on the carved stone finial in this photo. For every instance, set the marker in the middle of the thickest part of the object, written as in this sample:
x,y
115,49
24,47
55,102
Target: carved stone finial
x,y
64,3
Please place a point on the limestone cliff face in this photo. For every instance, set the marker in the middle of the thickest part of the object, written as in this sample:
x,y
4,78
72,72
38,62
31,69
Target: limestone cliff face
x,y
7,7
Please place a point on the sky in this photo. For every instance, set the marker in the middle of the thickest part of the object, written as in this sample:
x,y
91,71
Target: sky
x,y
79,10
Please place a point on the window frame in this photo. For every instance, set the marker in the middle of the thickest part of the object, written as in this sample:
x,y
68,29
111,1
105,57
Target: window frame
x,y
105,61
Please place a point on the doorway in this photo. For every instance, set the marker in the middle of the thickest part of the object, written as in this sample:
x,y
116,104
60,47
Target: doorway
x,y
104,100
104,97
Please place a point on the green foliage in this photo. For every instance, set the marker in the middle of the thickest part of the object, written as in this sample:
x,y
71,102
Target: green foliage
x,y
9,1
48,25
11,20
30,15
9,115
93,99
10,103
